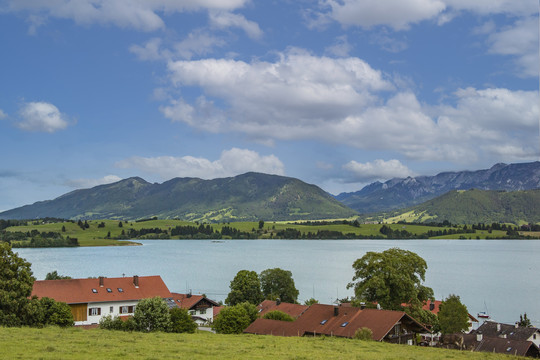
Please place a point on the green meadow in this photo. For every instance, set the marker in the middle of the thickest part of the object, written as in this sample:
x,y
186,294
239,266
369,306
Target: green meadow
x,y
75,343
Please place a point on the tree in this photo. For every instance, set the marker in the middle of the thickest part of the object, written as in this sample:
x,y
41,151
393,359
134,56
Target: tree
x,y
53,275
181,321
278,315
16,283
232,320
311,301
245,286
152,315
391,278
261,224
278,284
427,318
524,321
54,313
453,315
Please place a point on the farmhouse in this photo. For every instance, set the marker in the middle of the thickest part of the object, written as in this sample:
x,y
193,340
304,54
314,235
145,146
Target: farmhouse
x,y
389,326
501,345
507,331
294,310
92,299
200,307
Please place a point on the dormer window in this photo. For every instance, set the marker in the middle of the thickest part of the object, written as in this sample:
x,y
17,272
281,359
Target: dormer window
x,y
345,324
109,290
94,291
120,290
323,322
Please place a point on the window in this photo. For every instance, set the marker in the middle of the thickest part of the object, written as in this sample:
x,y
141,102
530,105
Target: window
x,y
345,324
202,312
127,309
109,290
111,309
323,322
94,311
534,336
120,290
192,312
94,291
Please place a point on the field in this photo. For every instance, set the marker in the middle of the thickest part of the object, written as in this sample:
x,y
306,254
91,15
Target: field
x,y
104,232
73,343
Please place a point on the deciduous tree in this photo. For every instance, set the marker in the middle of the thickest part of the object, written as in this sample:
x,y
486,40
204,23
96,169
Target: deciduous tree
x,y
278,284
245,286
152,315
181,321
232,320
391,278
453,315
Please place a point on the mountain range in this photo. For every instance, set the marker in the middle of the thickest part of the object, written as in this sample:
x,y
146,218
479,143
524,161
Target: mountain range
x,y
247,197
403,193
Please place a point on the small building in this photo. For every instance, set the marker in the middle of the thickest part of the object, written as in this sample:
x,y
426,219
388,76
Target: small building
x,y
92,299
329,320
507,331
500,345
434,306
199,307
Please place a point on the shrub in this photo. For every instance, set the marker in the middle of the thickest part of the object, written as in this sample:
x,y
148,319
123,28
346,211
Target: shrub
x,y
278,315
181,321
364,334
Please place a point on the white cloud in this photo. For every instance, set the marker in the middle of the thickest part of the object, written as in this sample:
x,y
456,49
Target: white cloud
x,y
376,170
341,47
41,117
140,15
2,115
197,43
151,50
232,162
519,40
223,20
89,183
401,14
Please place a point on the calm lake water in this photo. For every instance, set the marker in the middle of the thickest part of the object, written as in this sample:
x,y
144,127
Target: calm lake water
x,y
500,275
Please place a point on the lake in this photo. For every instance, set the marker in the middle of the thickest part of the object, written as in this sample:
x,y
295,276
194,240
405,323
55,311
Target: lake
x,y
500,275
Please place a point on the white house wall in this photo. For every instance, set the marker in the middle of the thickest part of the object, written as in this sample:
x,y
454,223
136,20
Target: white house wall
x,y
106,310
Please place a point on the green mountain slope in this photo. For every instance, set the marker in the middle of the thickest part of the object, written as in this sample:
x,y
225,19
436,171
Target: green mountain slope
x,y
246,197
476,206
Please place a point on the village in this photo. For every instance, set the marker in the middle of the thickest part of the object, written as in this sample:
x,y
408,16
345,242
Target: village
x,y
92,300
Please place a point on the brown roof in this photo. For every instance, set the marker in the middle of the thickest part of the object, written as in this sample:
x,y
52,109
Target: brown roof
x,y
217,310
320,319
188,301
489,328
77,291
501,345
293,310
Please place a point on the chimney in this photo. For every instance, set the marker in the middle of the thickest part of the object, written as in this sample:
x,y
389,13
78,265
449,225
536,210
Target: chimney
x,y
362,305
479,337
101,281
278,301
336,310
498,327
189,294
136,280
431,306
517,325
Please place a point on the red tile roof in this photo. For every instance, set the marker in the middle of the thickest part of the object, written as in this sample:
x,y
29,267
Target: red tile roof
x,y
321,319
78,291
188,301
293,310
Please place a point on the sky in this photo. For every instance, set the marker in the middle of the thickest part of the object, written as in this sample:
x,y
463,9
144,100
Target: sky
x,y
337,93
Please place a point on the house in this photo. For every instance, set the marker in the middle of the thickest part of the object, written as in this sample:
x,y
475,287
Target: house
x,y
433,306
501,345
293,310
92,299
331,320
507,331
200,307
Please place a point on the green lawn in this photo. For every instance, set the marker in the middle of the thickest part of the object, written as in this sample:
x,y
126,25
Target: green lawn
x,y
73,343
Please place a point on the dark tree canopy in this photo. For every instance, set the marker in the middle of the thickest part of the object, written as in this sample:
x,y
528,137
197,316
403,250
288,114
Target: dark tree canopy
x,y
524,321
278,284
391,278
53,275
16,283
181,321
453,315
245,286
278,315
152,314
235,319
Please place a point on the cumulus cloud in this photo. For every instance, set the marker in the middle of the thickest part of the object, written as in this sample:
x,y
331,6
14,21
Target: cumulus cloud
x,y
521,41
401,14
224,19
2,115
41,117
141,15
89,183
231,162
346,101
376,170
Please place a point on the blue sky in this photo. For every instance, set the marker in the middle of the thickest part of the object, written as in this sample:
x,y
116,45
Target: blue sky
x,y
338,93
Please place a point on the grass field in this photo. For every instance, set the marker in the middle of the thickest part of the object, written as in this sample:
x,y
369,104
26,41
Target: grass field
x,y
97,236
73,343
